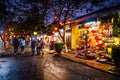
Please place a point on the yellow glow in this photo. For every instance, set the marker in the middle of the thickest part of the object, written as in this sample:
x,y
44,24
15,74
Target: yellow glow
x,y
11,33
56,28
98,23
117,41
100,31
103,38
93,41
109,50
53,32
35,33
100,42
112,20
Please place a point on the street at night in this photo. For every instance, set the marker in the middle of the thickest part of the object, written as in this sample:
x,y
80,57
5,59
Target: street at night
x,y
59,39
48,67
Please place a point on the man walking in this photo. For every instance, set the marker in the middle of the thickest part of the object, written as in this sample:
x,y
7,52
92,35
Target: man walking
x,y
22,45
33,44
42,44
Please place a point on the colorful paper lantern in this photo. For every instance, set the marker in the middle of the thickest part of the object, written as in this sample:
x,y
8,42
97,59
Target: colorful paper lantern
x,y
93,31
106,27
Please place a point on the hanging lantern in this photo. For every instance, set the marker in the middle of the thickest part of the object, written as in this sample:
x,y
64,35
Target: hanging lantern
x,y
100,43
60,22
55,28
100,30
93,41
55,17
93,31
68,21
96,38
85,27
106,27
53,31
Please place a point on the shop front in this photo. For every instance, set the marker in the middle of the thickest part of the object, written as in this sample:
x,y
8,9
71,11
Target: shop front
x,y
93,37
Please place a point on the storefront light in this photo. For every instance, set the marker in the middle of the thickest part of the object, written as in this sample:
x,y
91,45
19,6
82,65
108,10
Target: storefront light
x,y
56,34
68,34
91,22
98,23
61,30
116,41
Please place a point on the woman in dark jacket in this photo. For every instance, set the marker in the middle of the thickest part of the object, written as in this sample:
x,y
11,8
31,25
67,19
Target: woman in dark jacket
x,y
33,43
15,44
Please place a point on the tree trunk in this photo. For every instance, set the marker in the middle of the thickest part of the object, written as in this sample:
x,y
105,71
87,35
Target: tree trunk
x,y
66,50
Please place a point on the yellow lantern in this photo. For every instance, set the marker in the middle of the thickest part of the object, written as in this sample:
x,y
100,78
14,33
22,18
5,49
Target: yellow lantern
x,y
109,50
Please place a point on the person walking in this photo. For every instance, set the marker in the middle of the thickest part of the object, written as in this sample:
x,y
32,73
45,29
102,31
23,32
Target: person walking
x,y
2,45
42,44
22,45
15,44
33,45
38,44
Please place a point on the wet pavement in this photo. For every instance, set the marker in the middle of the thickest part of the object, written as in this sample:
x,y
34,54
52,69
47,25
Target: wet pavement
x,y
48,67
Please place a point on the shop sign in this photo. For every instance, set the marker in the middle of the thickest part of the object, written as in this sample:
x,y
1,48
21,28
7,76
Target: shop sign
x,y
67,27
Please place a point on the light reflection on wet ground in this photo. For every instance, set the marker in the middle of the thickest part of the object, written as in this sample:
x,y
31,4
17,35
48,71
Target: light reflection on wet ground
x,y
48,68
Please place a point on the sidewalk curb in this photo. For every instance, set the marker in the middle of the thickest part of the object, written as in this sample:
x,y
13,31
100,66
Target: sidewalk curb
x,y
112,73
82,62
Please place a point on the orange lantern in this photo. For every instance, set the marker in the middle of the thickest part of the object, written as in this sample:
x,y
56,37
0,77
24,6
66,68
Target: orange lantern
x,y
53,32
56,28
60,22
55,17
93,31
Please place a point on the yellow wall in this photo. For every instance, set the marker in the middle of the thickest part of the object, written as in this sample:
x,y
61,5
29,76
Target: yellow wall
x,y
75,36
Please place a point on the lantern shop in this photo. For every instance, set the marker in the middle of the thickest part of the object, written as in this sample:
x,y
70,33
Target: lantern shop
x,y
93,34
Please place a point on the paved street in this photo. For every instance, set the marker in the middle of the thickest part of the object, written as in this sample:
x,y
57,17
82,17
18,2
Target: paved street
x,y
48,67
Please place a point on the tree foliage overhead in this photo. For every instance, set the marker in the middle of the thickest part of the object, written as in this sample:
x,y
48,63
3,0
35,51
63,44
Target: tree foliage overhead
x,y
33,15
28,13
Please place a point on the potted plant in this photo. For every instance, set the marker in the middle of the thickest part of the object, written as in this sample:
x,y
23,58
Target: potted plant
x,y
58,46
116,55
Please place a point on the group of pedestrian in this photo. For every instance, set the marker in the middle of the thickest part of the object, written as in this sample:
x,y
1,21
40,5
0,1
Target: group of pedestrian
x,y
36,45
16,43
39,45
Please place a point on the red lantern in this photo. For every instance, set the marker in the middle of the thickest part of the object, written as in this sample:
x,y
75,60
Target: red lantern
x,y
60,22
100,43
85,27
68,21
55,17
93,31
96,38
106,27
